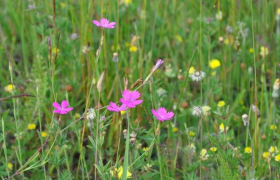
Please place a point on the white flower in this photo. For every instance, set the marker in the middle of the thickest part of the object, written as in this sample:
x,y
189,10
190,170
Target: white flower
x,y
197,76
90,114
197,111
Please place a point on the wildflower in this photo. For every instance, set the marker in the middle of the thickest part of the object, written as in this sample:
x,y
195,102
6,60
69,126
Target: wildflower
x,y
74,36
126,2
248,150
191,133
44,134
277,158
31,6
86,49
219,15
273,127
133,49
214,63
31,126
197,76
130,98
254,109
222,128
197,111
159,62
162,114
145,149
123,112
206,110
77,116
118,172
213,73
278,11
55,50
174,128
115,57
104,23
10,88
63,109
10,166
266,155
178,38
272,150
251,50
191,70
275,92
147,167
90,114
245,119
264,51
221,103
204,155
213,149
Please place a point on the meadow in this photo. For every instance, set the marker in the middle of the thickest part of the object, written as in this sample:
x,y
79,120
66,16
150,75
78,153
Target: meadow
x,y
150,89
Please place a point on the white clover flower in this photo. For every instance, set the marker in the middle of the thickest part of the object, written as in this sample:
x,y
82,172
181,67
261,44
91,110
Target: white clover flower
x,y
90,114
197,76
197,111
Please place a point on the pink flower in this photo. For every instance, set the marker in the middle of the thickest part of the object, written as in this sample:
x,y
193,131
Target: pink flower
x,y
162,115
159,62
130,98
113,107
104,23
63,109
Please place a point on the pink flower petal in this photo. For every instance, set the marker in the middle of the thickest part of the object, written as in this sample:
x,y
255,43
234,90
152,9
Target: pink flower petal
x,y
169,115
155,113
137,102
64,104
161,111
56,105
56,111
68,109
96,22
126,94
113,105
135,95
111,109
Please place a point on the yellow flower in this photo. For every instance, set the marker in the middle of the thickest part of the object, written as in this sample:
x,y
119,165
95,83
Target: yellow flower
x,y
273,127
44,134
31,126
251,50
206,109
273,149
213,149
226,41
10,166
10,88
277,158
119,172
221,103
178,38
191,70
248,150
145,149
174,129
133,49
55,50
278,11
203,154
214,63
77,116
266,155
264,51
191,134
222,127
123,112
213,73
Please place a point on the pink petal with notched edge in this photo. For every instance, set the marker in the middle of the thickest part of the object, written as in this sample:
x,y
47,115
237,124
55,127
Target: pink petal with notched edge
x,y
63,112
169,115
96,22
135,95
68,109
56,105
111,25
56,111
162,111
155,113
126,94
137,102
111,109
123,107
64,104
113,105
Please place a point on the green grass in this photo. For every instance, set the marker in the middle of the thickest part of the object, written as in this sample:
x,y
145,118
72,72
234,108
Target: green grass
x,y
182,33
